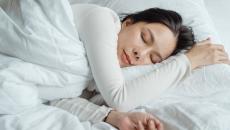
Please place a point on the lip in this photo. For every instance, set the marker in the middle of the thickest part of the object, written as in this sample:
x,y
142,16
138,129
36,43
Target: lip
x,y
126,58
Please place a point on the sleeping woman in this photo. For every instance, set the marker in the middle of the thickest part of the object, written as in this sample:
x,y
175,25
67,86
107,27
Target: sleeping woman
x,y
145,37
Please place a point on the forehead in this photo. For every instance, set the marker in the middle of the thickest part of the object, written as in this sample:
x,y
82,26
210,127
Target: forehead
x,y
164,39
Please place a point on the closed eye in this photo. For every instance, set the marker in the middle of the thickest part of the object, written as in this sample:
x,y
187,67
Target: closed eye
x,y
151,59
142,37
156,59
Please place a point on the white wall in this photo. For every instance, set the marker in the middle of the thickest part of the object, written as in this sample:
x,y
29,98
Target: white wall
x,y
220,13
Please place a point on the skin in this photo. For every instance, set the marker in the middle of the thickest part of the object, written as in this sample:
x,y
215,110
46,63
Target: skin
x,y
134,121
144,43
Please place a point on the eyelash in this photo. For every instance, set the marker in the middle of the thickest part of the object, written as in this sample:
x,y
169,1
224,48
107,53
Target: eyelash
x,y
142,37
151,59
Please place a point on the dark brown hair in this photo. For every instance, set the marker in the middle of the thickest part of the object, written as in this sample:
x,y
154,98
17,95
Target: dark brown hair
x,y
171,19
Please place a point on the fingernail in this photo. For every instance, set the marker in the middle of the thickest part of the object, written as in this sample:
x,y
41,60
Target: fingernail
x,y
151,122
139,122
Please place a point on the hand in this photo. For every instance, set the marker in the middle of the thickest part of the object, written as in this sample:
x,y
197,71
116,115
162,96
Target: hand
x,y
205,53
134,121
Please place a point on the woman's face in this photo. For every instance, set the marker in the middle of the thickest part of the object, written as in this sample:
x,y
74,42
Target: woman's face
x,y
144,43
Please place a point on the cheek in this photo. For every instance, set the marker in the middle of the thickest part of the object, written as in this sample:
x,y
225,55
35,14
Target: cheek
x,y
170,49
129,40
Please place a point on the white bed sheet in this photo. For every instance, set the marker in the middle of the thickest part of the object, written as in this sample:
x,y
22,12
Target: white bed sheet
x,y
201,102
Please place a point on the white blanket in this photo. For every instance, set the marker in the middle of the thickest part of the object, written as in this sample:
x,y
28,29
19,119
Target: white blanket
x,y
48,55
35,32
200,102
42,33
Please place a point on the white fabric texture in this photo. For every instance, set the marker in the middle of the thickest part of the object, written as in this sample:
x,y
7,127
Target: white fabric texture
x,y
187,106
201,102
83,109
49,44
44,76
31,31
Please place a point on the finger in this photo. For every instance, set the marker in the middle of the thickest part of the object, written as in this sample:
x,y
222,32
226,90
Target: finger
x,y
140,126
151,125
224,62
227,62
219,47
160,126
222,54
155,119
206,41
152,117
223,58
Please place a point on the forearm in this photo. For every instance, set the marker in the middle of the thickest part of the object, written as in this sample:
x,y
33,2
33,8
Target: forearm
x,y
136,92
83,109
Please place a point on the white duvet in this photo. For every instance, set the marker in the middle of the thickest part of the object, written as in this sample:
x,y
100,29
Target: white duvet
x,y
48,55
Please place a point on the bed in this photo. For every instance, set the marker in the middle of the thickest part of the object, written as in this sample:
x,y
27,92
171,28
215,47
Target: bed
x,y
200,102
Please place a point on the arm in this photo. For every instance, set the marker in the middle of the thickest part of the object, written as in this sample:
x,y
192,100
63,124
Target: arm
x,y
100,38
87,111
83,109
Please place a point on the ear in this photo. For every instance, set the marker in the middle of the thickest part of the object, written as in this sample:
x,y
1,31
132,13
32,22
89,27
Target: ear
x,y
126,23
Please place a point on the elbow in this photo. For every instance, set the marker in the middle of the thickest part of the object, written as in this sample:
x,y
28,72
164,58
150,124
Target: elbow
x,y
118,98
119,102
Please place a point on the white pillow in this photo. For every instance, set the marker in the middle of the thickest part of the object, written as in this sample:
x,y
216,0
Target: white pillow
x,y
193,12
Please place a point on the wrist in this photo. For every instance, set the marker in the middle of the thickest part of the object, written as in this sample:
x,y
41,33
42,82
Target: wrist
x,y
192,62
113,118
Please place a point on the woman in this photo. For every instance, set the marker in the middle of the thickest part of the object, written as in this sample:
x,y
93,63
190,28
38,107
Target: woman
x,y
146,37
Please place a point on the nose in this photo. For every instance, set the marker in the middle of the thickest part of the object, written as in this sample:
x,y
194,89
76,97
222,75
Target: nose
x,y
141,53
136,55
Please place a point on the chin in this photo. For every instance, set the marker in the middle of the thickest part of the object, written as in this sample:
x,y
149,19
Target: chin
x,y
122,65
